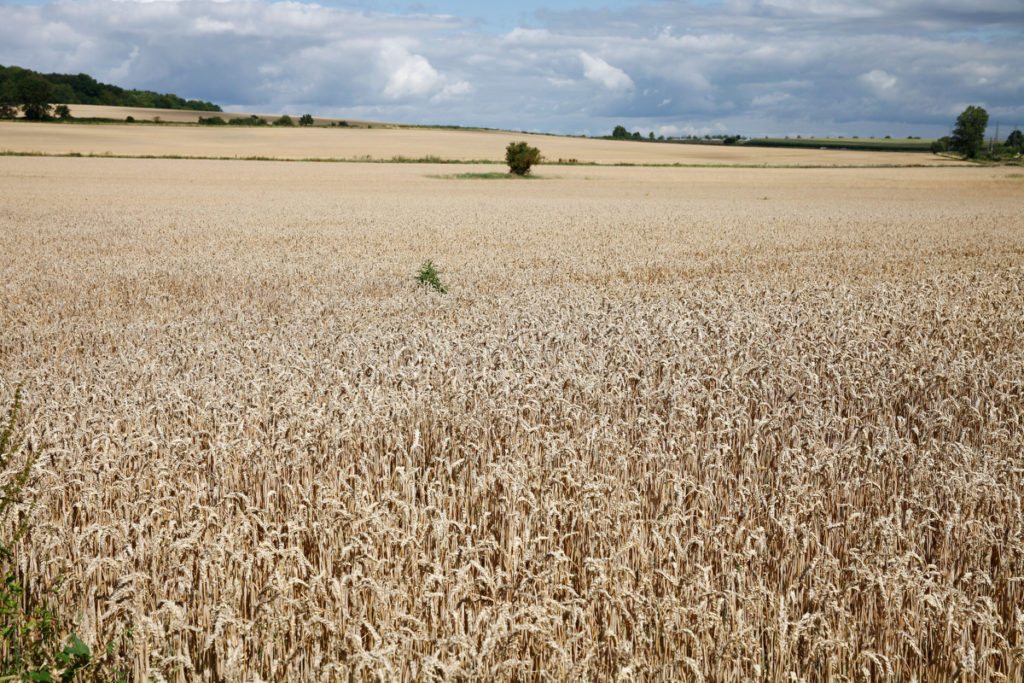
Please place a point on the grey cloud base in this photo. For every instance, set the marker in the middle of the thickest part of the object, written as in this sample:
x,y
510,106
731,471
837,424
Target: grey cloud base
x,y
876,68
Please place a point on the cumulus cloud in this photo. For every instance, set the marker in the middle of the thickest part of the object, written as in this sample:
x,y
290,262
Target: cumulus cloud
x,y
752,66
878,80
411,75
600,71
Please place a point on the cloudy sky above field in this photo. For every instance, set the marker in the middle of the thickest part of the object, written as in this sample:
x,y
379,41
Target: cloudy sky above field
x,y
758,67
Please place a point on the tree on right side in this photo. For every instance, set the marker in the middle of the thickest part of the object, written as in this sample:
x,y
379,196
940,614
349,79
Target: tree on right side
x,y
969,132
1015,141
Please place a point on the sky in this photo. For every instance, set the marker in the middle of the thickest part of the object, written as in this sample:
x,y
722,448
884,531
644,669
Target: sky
x,y
674,67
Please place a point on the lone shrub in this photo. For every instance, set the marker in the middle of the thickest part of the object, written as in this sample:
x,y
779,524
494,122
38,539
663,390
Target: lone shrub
x,y
429,276
62,112
284,121
520,157
306,120
212,121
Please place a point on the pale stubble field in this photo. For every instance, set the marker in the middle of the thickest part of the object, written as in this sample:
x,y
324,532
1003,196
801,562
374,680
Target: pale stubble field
x,y
667,424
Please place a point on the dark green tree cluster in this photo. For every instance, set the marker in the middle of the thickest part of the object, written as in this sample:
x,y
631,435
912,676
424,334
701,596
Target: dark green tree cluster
x,y
620,133
968,138
251,120
969,133
1015,142
27,90
34,93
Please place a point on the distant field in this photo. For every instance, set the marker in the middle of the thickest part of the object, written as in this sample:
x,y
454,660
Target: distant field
x,y
387,143
87,111
668,424
880,145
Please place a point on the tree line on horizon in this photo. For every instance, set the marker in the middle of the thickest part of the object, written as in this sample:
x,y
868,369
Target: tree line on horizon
x,y
35,93
967,139
621,133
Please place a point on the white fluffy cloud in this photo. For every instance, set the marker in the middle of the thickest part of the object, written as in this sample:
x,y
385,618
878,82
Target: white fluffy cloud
x,y
880,81
411,75
600,71
752,66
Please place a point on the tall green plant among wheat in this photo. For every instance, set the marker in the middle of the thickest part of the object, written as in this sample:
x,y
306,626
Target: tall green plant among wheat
x,y
429,276
30,631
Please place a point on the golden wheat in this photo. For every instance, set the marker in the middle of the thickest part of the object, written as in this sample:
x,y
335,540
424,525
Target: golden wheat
x,y
388,143
668,424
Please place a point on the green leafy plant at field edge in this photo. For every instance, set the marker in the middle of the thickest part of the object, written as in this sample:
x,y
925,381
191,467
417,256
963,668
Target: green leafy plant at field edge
x,y
31,630
429,276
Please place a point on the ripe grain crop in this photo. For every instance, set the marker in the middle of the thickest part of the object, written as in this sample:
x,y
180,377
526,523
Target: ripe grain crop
x,y
666,424
388,143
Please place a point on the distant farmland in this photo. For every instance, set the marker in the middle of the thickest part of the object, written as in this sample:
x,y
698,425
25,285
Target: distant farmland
x,y
390,143
867,145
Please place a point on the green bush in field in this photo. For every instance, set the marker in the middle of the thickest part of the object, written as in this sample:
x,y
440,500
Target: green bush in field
x,y
520,157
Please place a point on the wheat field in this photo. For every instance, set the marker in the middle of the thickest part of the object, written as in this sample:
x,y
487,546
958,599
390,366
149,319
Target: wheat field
x,y
384,142
667,424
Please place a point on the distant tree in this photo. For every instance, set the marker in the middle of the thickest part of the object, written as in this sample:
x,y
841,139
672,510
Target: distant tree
x,y
8,101
940,145
520,157
212,121
33,94
969,132
284,121
620,133
306,120
1015,141
62,112
636,135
